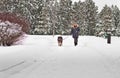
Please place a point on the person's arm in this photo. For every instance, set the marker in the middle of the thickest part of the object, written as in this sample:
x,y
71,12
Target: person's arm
x,y
78,29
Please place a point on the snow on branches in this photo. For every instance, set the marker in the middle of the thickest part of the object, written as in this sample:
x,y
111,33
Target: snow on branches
x,y
12,28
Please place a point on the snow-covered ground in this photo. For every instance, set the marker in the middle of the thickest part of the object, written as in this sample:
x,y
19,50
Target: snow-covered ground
x,y
41,57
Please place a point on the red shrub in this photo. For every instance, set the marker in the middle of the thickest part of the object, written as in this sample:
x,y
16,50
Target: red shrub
x,y
12,27
14,18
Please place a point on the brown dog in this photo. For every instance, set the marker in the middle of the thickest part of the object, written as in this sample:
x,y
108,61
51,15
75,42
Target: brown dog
x,y
60,40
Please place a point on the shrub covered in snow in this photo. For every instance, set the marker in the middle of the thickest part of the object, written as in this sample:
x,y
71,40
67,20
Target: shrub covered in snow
x,y
11,28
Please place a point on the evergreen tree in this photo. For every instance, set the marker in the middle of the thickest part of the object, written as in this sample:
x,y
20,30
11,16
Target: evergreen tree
x,y
90,16
115,19
106,19
38,18
54,16
64,16
78,16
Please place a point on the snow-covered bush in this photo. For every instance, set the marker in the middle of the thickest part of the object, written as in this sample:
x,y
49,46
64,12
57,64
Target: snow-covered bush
x,y
12,28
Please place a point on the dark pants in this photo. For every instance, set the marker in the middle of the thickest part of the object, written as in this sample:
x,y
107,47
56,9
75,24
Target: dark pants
x,y
108,38
75,41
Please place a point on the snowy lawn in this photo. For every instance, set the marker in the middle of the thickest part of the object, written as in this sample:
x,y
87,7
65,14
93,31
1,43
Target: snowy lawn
x,y
41,57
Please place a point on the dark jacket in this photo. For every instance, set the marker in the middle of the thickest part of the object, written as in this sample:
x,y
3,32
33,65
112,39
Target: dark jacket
x,y
75,32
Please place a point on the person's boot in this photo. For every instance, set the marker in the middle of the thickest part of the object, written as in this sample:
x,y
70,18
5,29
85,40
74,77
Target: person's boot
x,y
75,43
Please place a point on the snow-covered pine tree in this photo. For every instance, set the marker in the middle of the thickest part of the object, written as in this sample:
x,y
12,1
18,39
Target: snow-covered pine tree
x,y
38,18
53,9
118,30
116,20
56,17
64,16
90,16
78,15
105,17
46,13
98,27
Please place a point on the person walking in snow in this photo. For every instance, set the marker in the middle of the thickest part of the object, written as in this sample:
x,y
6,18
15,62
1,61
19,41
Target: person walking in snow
x,y
75,33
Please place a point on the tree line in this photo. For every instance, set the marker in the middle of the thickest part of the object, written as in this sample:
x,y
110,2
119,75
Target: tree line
x,y
49,17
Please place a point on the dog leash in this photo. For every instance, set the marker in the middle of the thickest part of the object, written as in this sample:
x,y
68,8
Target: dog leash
x,y
65,38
